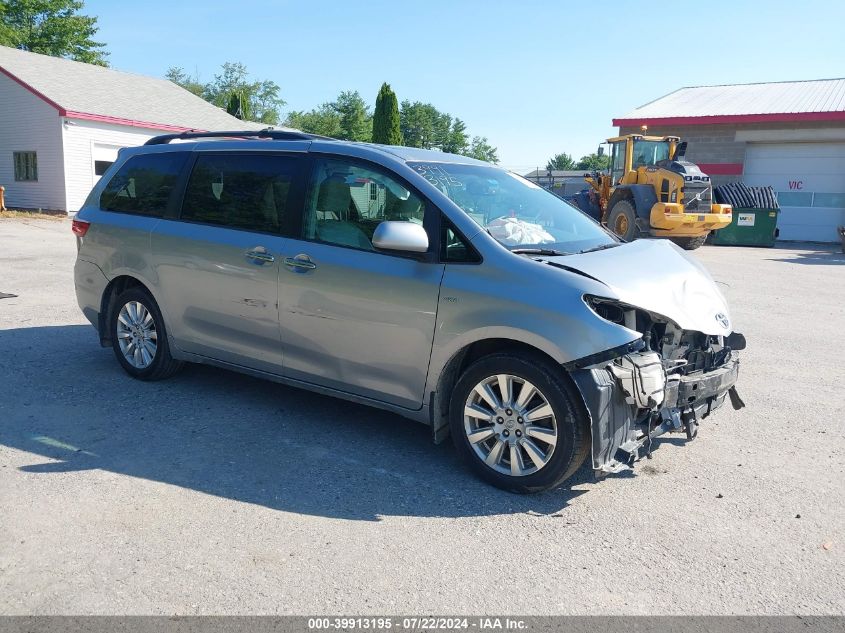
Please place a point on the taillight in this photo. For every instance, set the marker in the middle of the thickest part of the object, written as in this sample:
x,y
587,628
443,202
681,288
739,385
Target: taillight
x,y
80,227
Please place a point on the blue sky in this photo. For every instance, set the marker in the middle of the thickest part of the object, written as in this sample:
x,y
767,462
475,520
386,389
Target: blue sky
x,y
536,78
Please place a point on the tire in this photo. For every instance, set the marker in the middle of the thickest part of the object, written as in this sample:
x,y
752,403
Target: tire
x,y
622,220
139,338
690,243
543,461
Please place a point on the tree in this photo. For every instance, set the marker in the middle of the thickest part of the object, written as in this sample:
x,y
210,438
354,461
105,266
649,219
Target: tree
x,y
594,162
561,162
8,35
265,102
457,141
51,27
324,121
181,78
482,150
425,126
420,124
347,117
356,122
261,99
417,122
238,106
386,128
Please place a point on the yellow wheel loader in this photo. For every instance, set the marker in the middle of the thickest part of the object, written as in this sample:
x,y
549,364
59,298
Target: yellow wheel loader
x,y
652,192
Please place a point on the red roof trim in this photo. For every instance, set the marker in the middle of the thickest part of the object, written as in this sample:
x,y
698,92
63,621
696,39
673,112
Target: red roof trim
x,y
785,117
721,169
102,118
31,89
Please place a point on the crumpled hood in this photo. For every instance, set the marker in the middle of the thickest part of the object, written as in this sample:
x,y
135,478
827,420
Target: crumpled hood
x,y
658,276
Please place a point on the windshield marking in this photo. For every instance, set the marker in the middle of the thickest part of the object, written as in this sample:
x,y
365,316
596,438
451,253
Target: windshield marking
x,y
436,175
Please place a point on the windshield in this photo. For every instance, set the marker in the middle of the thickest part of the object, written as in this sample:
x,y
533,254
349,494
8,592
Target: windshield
x,y
650,152
516,212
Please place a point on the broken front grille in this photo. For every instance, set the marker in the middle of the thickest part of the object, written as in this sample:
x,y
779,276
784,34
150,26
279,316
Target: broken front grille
x,y
697,199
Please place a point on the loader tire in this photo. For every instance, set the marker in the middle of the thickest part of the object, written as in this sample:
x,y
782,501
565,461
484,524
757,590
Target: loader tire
x,y
622,220
690,243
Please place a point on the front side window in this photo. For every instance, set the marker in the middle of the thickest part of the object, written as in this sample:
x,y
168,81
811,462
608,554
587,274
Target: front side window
x,y
513,210
453,247
144,184
348,201
26,166
240,191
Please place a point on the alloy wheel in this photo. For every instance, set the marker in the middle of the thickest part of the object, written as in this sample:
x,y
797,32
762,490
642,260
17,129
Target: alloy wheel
x,y
137,334
510,425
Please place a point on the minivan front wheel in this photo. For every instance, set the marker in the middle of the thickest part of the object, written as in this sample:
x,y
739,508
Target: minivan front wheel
x,y
515,420
138,336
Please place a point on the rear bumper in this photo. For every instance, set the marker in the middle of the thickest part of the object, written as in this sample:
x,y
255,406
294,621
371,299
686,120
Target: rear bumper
x,y
620,431
668,218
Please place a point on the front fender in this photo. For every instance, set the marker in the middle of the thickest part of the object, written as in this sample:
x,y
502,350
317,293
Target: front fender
x,y
547,312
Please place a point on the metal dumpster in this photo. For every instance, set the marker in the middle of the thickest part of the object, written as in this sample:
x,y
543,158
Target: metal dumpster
x,y
749,227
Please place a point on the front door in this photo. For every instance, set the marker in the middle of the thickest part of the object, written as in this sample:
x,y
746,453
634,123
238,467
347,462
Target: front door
x,y
217,266
617,162
353,318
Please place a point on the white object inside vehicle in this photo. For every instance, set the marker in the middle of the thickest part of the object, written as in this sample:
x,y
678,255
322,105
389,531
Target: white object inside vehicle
x,y
643,379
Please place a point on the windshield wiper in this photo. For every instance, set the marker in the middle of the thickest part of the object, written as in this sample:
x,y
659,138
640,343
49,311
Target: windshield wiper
x,y
537,251
600,247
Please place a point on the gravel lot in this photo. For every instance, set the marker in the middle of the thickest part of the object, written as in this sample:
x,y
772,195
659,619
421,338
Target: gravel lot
x,y
218,493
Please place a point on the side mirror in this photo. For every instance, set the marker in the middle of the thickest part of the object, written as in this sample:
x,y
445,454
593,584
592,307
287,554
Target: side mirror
x,y
400,236
680,151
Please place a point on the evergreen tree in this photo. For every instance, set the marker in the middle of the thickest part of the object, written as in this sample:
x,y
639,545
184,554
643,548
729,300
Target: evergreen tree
x,y
457,141
238,106
386,127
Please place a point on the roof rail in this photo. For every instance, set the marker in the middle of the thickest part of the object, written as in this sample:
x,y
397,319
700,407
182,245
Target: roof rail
x,y
278,135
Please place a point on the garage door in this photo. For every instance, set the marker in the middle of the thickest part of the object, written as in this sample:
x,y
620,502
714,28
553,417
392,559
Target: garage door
x,y
809,179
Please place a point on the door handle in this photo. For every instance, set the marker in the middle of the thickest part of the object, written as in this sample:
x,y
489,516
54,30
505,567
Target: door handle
x,y
260,254
300,263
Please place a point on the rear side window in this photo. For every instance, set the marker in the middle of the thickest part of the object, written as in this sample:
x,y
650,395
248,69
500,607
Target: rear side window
x,y
144,184
241,191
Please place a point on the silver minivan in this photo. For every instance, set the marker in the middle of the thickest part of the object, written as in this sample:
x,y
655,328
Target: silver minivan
x,y
443,288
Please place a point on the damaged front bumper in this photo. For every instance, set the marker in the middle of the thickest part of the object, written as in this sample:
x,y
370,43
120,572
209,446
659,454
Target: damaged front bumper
x,y
623,427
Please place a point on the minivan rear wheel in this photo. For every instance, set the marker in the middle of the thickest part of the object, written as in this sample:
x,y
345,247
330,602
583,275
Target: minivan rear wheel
x,y
139,338
516,421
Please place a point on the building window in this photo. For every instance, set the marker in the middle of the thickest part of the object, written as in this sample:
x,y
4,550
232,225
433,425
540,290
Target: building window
x,y
101,166
26,166
795,198
831,200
